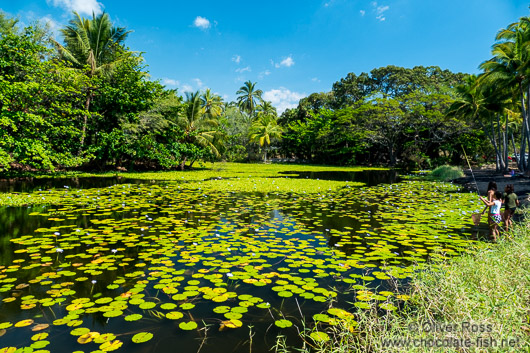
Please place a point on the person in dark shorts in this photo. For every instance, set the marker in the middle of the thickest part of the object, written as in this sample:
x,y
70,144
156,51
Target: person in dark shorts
x,y
511,202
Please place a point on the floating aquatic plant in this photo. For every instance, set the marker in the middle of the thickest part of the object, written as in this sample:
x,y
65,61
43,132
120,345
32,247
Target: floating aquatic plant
x,y
227,252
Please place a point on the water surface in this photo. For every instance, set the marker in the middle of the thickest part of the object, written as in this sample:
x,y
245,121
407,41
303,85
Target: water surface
x,y
178,255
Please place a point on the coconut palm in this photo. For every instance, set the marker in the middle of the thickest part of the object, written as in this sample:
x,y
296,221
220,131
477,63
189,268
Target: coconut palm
x,y
211,104
93,46
266,108
264,129
199,128
483,103
470,102
249,97
509,67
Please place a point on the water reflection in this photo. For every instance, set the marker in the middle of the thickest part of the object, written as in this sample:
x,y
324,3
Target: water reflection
x,y
33,184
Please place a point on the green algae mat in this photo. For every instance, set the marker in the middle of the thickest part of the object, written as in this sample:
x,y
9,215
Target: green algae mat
x,y
219,259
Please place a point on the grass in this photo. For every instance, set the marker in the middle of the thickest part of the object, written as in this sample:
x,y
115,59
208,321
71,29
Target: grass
x,y
446,173
487,292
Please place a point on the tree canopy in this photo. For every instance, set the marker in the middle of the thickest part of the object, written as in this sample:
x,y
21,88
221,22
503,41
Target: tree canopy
x,y
87,101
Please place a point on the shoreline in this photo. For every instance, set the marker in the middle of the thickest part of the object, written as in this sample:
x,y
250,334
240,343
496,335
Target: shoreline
x,y
483,177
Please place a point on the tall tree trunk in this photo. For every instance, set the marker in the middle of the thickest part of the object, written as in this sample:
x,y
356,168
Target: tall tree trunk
x,y
513,144
525,135
85,120
505,145
491,138
392,155
526,118
497,154
522,149
502,164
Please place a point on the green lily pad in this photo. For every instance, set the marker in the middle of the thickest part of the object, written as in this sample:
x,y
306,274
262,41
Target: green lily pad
x,y
319,336
133,317
188,326
147,305
283,323
79,331
142,337
113,313
110,346
174,315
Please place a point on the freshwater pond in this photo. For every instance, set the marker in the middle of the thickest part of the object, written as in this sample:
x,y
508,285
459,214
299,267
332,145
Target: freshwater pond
x,y
150,266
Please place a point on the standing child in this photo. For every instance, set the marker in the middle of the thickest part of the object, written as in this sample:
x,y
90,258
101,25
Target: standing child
x,y
492,188
494,215
511,202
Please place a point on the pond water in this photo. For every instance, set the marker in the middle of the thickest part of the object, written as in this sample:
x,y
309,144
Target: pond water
x,y
36,184
176,265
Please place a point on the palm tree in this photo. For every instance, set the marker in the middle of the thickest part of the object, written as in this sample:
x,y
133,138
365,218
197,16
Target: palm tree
x,y
266,108
212,104
509,67
469,102
199,128
483,103
264,129
92,45
249,97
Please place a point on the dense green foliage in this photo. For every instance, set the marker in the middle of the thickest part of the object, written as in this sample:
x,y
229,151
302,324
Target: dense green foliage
x,y
88,102
497,100
390,115
422,116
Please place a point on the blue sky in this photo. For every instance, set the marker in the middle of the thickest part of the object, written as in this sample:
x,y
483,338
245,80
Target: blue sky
x,y
291,48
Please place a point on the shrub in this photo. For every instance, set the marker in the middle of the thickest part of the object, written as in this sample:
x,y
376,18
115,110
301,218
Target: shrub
x,y
447,172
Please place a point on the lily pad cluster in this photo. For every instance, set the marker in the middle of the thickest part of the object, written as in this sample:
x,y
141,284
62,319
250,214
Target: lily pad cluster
x,y
114,266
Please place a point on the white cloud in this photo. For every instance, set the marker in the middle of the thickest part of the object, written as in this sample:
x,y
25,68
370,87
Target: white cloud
x,y
236,58
243,69
170,82
315,79
287,62
83,7
283,98
186,88
263,74
380,10
202,23
198,82
362,12
52,25
28,18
